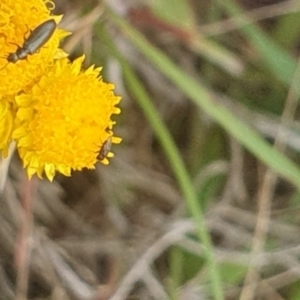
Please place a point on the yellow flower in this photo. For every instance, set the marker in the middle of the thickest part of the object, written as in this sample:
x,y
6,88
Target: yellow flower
x,y
17,19
7,114
63,122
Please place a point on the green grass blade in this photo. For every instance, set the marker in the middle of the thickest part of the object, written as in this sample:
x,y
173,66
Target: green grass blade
x,y
177,165
202,97
180,172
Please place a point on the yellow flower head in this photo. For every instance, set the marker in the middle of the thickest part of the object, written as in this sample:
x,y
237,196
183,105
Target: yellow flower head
x,y
64,121
18,19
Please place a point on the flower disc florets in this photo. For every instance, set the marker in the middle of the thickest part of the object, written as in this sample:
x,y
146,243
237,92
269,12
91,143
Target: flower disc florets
x,y
63,122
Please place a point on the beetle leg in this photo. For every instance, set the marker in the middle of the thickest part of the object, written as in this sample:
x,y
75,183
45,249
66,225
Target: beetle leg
x,y
14,44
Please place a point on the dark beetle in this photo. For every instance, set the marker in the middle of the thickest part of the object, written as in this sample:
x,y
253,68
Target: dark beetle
x,y
105,149
37,38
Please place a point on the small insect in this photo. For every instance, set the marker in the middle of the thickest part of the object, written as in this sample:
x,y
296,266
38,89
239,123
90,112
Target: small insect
x,y
37,39
105,149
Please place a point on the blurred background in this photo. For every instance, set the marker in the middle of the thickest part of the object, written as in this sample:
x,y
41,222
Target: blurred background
x,y
201,200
